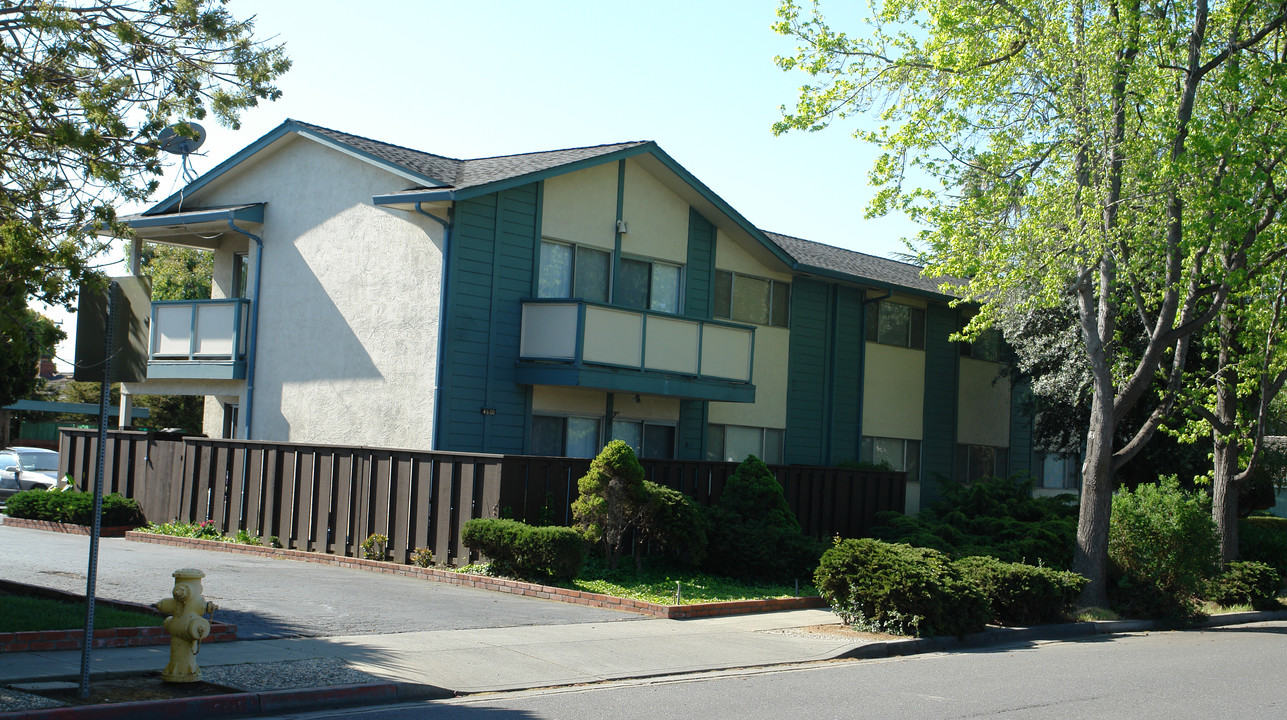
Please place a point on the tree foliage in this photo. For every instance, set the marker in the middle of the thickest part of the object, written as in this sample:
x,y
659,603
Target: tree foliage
x,y
87,89
1122,158
25,336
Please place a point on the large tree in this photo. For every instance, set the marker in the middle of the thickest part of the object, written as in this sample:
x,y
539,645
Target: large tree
x,y
85,90
1103,154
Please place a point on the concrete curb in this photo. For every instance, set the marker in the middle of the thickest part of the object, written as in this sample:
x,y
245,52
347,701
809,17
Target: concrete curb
x,y
1064,631
483,582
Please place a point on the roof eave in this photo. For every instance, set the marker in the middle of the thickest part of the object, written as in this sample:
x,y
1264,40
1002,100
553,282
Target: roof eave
x,y
872,282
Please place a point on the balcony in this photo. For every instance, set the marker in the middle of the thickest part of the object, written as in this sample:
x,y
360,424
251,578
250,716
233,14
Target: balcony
x,y
584,344
198,339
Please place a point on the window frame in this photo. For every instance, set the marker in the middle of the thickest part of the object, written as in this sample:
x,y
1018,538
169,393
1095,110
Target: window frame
x,y
911,459
962,465
576,292
563,418
643,450
764,439
915,331
774,295
1070,478
652,263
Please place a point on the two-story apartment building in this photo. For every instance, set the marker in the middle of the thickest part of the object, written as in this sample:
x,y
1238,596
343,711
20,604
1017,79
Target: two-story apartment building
x,y
544,303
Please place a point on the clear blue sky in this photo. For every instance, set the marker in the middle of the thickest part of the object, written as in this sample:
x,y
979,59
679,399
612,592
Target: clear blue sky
x,y
492,77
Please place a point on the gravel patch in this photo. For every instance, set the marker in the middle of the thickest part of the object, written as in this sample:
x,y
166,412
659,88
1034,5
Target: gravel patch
x,y
14,701
316,672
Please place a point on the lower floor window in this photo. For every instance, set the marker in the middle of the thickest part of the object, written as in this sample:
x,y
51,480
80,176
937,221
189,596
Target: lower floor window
x,y
649,440
732,443
974,462
899,454
1061,471
565,436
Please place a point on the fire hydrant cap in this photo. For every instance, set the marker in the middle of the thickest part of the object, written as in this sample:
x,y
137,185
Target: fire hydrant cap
x,y
188,574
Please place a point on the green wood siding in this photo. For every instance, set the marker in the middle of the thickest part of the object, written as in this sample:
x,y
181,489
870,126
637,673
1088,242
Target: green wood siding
x,y
692,430
1021,453
491,272
700,273
846,410
808,370
942,358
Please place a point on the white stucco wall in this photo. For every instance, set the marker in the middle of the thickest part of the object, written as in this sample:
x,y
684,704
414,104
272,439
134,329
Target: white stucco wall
x,y
983,411
348,315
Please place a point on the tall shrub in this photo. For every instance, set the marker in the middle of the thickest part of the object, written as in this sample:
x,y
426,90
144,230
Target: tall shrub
x,y
1163,546
753,533
612,499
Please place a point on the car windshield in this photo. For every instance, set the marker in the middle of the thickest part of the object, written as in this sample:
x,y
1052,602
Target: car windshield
x,y
40,462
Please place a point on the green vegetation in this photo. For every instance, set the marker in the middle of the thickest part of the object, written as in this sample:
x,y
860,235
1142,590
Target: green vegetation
x,y
992,516
206,530
523,551
23,613
1264,539
73,506
1163,548
899,589
1246,583
753,533
1021,594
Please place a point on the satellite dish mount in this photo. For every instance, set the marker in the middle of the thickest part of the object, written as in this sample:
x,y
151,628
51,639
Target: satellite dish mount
x,y
182,138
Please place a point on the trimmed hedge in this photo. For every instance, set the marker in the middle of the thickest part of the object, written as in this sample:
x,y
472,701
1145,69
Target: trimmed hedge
x,y
899,588
73,506
1249,583
523,551
1021,594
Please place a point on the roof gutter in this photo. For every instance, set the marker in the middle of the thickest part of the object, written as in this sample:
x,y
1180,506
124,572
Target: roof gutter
x,y
417,197
252,343
442,309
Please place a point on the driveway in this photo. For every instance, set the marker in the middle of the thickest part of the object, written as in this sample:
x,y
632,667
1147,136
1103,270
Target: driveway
x,y
268,597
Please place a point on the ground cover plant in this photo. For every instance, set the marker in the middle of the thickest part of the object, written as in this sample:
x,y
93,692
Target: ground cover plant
x,y
73,506
23,613
993,516
206,530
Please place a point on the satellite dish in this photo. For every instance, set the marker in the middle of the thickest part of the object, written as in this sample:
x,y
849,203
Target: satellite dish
x,y
175,139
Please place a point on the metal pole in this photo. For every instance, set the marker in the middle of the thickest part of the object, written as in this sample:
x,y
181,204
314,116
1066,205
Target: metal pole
x,y
104,402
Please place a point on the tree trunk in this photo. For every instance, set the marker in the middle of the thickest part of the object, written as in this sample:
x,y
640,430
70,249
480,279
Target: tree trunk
x,y
1090,557
1224,496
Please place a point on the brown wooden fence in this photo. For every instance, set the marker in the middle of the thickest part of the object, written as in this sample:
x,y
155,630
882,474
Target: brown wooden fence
x,y
327,498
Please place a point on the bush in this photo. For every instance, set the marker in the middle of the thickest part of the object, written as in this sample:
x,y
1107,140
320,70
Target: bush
x,y
1163,548
1264,539
1247,583
675,522
1020,594
991,516
898,588
612,498
375,547
523,551
753,533
74,507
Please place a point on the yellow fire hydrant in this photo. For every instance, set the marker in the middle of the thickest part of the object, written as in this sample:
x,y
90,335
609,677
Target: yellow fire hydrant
x,y
186,626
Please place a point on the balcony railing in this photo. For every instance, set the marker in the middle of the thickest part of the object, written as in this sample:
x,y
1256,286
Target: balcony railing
x,y
585,333
198,339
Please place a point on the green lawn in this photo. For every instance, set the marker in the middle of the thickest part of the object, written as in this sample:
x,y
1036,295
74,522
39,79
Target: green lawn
x,y
20,613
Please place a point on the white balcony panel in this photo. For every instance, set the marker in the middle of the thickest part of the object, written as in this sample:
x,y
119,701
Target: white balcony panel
x,y
549,331
215,330
726,352
671,345
172,331
613,337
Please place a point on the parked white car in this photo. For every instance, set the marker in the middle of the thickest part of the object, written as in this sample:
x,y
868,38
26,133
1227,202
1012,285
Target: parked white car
x,y
24,468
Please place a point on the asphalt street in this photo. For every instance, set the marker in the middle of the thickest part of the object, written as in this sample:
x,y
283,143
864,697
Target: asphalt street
x,y
267,597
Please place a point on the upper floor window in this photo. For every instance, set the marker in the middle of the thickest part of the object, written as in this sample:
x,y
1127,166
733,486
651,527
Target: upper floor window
x,y
987,346
891,323
752,300
649,285
900,455
569,271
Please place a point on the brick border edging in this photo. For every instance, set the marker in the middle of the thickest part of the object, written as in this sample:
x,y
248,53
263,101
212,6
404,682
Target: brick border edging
x,y
482,582
65,528
46,640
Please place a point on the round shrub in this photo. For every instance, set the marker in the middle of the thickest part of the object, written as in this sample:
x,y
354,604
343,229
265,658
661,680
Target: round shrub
x,y
611,499
520,550
675,522
73,506
1163,548
1020,594
1247,583
1264,539
898,588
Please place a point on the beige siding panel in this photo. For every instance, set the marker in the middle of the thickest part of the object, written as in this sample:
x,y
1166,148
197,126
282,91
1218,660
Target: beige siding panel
x,y
726,352
983,413
893,392
731,256
548,399
772,354
672,345
657,218
581,207
648,407
613,337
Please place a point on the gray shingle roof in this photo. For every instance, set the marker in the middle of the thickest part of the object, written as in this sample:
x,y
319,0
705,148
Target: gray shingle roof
x,y
861,266
461,174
